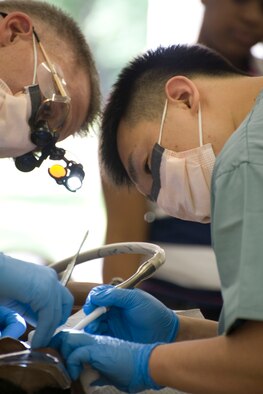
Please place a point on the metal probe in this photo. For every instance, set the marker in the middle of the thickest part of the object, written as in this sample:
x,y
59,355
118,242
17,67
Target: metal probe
x,y
67,274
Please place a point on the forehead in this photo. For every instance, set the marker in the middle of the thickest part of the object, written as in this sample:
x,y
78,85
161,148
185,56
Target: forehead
x,y
134,138
135,144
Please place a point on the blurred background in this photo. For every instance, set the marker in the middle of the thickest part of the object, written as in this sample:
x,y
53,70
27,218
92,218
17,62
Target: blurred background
x,y
41,221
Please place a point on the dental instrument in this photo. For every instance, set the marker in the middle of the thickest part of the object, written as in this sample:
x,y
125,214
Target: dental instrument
x,y
146,270
67,274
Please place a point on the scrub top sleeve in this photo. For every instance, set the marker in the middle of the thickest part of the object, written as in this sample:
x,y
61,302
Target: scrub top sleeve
x,y
237,232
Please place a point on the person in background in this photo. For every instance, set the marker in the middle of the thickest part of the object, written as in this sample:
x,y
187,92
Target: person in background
x,y
232,28
189,278
34,37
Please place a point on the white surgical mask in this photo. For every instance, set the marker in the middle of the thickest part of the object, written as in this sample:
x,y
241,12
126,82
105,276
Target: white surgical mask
x,y
5,87
181,180
15,112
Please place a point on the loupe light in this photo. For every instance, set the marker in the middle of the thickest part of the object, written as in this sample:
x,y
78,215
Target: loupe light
x,y
75,179
70,176
57,171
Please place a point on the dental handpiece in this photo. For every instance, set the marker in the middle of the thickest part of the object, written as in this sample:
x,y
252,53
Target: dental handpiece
x,y
145,271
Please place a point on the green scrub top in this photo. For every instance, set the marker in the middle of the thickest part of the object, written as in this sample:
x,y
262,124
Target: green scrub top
x,y
237,221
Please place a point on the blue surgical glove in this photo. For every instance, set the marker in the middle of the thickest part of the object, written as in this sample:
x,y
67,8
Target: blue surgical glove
x,y
133,315
36,294
120,363
11,323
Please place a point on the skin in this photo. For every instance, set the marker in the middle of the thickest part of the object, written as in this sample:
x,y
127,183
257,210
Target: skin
x,y
232,27
216,364
16,43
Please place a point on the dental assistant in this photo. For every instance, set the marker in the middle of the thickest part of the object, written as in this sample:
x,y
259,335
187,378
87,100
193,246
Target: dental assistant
x,y
186,128
30,34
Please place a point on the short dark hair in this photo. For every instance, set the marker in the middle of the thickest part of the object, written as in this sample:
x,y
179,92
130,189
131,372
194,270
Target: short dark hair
x,y
63,26
139,93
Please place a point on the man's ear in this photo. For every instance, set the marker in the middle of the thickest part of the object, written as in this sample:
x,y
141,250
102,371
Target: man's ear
x,y
14,25
183,91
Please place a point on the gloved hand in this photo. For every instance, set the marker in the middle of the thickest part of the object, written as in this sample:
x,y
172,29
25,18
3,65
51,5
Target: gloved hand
x,y
134,315
36,294
11,323
120,363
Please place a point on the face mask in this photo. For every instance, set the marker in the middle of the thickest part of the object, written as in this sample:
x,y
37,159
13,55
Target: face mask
x,y
15,114
181,180
5,87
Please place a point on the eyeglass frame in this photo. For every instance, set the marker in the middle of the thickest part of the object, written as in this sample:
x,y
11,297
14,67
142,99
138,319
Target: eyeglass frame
x,y
53,71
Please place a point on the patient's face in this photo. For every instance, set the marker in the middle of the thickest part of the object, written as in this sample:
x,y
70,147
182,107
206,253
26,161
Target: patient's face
x,y
26,371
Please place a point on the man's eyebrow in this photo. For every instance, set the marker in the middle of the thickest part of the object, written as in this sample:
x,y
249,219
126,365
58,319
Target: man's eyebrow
x,y
131,169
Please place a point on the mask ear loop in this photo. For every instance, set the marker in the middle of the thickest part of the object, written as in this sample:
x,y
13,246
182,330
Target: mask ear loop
x,y
35,59
200,128
162,121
